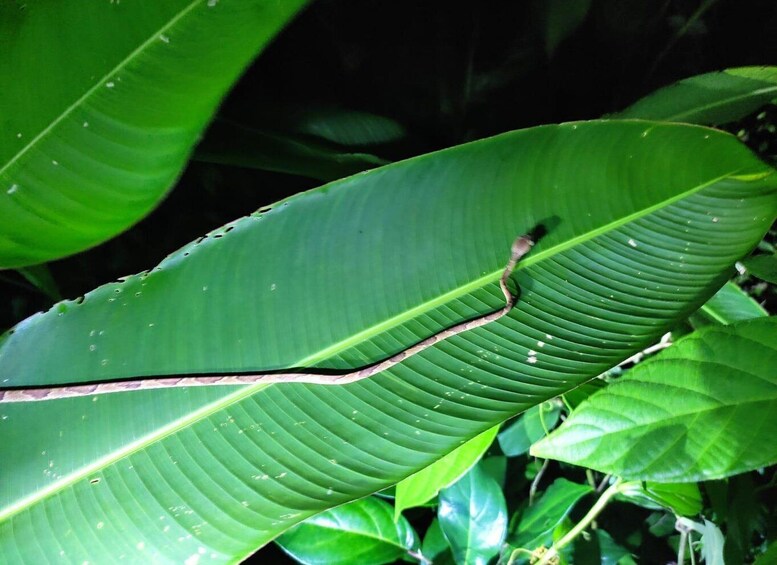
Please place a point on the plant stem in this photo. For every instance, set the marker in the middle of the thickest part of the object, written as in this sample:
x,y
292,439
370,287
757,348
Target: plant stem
x,y
595,510
535,483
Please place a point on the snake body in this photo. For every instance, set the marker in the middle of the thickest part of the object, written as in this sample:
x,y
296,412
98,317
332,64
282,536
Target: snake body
x,y
520,247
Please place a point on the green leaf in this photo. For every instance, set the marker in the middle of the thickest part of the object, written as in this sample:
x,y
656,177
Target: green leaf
x,y
702,409
769,556
426,483
535,528
434,543
495,466
762,266
363,531
684,499
712,542
473,517
729,305
578,394
559,19
530,426
342,276
231,143
136,83
709,99
742,517
346,127
40,277
611,552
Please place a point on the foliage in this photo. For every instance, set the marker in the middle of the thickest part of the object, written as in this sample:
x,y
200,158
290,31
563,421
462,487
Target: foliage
x,y
622,410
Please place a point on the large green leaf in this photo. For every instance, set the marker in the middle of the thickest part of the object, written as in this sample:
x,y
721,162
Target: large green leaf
x,y
644,222
711,98
101,107
363,532
705,408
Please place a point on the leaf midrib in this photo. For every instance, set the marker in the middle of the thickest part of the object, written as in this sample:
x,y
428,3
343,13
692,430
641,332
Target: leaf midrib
x,y
342,345
722,102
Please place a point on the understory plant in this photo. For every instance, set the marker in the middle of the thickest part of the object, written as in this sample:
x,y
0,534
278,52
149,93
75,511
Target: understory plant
x,y
297,187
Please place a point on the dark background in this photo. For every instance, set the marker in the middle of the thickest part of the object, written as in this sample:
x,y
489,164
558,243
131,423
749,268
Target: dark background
x,y
447,73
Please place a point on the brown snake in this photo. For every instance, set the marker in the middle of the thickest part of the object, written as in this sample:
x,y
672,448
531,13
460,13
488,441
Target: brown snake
x,y
520,247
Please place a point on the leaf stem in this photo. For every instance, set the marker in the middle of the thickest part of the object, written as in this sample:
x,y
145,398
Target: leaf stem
x,y
595,510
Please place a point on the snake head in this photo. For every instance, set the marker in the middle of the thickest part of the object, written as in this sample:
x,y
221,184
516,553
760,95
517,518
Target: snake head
x,y
522,246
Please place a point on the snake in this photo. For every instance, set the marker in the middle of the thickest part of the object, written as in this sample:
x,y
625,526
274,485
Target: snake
x,y
520,247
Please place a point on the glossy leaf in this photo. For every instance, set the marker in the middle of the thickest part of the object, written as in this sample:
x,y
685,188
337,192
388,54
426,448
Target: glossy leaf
x,y
537,523
702,409
730,304
362,532
762,266
426,483
136,83
230,143
533,424
684,499
348,274
473,517
711,98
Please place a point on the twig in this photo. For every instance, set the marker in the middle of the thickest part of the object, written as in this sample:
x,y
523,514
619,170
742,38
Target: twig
x,y
582,524
666,341
535,483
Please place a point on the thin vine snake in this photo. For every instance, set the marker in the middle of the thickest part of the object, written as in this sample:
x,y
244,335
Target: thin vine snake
x,y
521,246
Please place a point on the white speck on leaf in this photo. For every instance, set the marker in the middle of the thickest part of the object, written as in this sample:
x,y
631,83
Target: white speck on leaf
x,y
110,84
632,243
164,38
14,188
